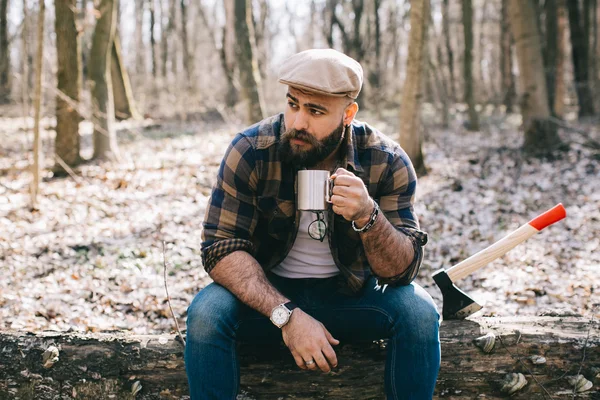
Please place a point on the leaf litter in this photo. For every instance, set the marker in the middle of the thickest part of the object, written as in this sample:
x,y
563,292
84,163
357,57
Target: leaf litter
x,y
91,258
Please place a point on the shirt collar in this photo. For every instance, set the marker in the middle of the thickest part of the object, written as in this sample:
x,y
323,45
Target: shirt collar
x,y
350,158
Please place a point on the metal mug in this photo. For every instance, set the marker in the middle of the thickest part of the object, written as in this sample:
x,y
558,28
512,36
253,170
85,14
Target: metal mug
x,y
314,190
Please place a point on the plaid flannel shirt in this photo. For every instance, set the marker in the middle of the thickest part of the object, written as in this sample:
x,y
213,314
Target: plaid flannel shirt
x,y
252,206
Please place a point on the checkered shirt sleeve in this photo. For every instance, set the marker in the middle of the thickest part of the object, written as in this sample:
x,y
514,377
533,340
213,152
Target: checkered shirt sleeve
x,y
231,214
396,202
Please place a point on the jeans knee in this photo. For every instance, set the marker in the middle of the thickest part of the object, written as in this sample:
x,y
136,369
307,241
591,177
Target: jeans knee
x,y
211,314
419,318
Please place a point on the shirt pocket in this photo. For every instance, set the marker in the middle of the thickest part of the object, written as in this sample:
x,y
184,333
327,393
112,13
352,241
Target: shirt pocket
x,y
279,216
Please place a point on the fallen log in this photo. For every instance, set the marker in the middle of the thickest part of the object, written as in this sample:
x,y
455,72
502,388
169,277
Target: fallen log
x,y
53,365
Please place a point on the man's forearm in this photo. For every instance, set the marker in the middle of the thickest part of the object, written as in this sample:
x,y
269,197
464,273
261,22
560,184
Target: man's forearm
x,y
389,251
243,276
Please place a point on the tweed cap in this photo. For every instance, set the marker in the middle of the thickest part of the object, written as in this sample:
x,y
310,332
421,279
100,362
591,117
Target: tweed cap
x,y
323,71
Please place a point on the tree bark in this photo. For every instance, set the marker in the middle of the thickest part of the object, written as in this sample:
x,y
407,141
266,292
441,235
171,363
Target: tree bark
x,y
579,51
37,109
541,137
188,60
449,51
123,94
228,51
152,38
467,19
5,86
560,86
551,53
140,50
25,97
68,53
509,90
105,137
410,115
248,66
101,365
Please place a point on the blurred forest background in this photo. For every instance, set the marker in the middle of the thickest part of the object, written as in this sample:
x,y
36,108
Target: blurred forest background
x,y
114,117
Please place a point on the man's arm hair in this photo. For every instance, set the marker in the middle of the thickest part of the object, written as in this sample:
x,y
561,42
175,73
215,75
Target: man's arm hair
x,y
243,276
389,251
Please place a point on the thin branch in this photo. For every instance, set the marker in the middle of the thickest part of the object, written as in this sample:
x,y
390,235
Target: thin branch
x,y
64,165
169,298
583,356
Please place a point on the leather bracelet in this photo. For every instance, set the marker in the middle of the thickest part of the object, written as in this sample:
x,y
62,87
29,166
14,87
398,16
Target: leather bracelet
x,y
371,222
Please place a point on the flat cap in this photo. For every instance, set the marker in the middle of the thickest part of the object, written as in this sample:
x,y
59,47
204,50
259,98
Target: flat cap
x,y
323,71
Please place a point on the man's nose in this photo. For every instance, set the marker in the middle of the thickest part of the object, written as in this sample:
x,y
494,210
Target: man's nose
x,y
301,121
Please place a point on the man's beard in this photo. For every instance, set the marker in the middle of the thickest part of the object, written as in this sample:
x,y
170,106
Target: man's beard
x,y
318,150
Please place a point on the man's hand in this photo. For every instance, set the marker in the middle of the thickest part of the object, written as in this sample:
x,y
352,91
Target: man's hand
x,y
350,197
308,339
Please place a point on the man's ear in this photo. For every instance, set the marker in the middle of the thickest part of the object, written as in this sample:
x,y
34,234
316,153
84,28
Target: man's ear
x,y
350,113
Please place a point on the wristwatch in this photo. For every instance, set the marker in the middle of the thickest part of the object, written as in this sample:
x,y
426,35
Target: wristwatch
x,y
281,314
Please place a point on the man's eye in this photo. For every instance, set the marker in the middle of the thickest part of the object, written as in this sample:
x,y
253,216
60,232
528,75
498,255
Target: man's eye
x,y
316,112
292,105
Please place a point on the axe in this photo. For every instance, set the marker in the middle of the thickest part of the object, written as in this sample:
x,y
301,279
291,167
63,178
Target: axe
x,y
457,305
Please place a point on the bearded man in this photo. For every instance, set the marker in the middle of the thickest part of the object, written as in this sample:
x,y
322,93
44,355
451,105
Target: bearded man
x,y
274,280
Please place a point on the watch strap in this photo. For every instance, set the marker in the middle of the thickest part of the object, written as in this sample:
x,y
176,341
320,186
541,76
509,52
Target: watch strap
x,y
290,306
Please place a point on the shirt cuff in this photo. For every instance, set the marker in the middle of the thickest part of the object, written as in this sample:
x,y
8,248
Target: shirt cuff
x,y
418,239
214,253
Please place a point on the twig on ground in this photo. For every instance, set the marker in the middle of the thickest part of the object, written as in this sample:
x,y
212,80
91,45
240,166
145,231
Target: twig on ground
x,y
523,364
167,291
583,356
571,128
68,169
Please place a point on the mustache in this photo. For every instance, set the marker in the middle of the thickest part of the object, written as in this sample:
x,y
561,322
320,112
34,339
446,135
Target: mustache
x,y
302,135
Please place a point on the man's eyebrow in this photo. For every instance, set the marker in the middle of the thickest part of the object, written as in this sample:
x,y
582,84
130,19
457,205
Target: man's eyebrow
x,y
310,105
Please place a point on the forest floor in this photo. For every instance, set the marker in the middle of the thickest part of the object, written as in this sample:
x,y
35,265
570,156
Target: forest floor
x,y
91,259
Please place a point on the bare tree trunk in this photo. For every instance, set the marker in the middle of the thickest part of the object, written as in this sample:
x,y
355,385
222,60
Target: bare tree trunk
x,y
4,54
592,9
540,134
560,86
551,53
249,75
152,38
37,109
449,51
188,60
68,52
580,48
467,18
105,137
597,50
123,94
25,98
410,115
228,58
509,90
140,51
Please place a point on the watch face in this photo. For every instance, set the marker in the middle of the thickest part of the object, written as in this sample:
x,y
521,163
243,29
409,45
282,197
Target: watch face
x,y
280,316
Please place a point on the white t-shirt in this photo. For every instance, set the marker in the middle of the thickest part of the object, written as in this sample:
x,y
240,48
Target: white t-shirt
x,y
308,258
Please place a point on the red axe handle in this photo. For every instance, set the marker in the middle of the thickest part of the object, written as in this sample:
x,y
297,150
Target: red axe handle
x,y
502,246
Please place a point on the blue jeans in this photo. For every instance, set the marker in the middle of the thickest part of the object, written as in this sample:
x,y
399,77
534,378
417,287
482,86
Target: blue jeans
x,y
406,315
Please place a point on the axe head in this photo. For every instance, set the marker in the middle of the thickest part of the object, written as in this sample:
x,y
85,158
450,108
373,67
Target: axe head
x,y
457,305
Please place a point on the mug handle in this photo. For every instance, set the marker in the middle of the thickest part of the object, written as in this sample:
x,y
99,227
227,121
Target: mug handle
x,y
330,183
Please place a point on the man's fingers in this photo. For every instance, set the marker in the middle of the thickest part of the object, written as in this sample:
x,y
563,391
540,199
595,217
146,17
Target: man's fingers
x,y
311,365
342,180
321,362
330,337
330,355
343,171
299,360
